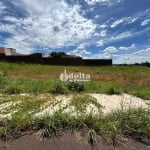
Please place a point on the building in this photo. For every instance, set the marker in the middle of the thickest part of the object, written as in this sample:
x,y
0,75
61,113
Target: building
x,y
7,51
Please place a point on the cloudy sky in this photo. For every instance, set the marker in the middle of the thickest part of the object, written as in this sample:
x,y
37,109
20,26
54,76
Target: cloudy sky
x,y
90,28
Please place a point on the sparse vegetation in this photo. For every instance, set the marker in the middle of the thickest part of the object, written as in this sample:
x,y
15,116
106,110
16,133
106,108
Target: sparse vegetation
x,y
132,122
81,102
21,78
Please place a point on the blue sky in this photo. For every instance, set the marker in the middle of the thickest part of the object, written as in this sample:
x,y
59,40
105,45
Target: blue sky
x,y
90,28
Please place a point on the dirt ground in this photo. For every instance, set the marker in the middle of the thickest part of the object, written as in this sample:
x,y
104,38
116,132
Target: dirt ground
x,y
68,142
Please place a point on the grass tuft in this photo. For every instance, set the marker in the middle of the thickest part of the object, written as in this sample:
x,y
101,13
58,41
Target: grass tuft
x,y
92,137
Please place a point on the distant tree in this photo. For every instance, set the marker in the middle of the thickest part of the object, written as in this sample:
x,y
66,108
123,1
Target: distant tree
x,y
147,64
57,54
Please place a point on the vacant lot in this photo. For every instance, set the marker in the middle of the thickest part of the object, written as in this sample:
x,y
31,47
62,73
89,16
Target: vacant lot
x,y
103,112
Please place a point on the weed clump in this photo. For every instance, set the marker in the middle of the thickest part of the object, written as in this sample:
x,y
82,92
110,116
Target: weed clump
x,y
112,91
4,73
58,87
81,102
13,89
92,137
75,86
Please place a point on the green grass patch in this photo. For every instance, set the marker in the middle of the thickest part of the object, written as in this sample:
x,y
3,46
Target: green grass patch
x,y
36,79
133,123
9,85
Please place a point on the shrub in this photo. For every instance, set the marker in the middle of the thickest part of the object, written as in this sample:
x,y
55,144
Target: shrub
x,y
75,86
112,91
36,86
13,89
59,88
4,73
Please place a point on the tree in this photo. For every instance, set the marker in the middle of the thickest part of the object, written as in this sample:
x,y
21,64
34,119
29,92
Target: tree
x,y
57,54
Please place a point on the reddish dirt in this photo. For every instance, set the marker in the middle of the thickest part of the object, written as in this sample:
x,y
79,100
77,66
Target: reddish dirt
x,y
108,78
98,77
68,142
120,79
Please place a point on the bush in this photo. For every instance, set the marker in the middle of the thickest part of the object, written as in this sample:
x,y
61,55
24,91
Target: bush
x,y
36,86
93,87
75,86
13,89
4,73
59,88
112,91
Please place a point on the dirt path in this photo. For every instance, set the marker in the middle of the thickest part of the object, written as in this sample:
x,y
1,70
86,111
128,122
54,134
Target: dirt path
x,y
68,142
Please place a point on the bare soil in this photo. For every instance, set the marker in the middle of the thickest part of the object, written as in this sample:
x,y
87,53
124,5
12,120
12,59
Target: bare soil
x,y
97,77
121,78
67,141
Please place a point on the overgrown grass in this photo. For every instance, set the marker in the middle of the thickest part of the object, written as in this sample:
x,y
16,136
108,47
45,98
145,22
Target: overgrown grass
x,y
11,85
32,78
133,123
53,71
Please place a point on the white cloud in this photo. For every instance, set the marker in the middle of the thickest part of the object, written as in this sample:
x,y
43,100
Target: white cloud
x,y
100,43
2,8
127,48
119,36
97,16
103,33
145,22
142,52
7,28
96,34
11,19
103,2
49,23
82,46
104,55
113,38
93,2
124,20
103,26
110,50
139,56
116,23
147,50
81,50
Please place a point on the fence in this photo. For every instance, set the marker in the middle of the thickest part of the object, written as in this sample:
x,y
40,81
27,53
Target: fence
x,y
38,59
